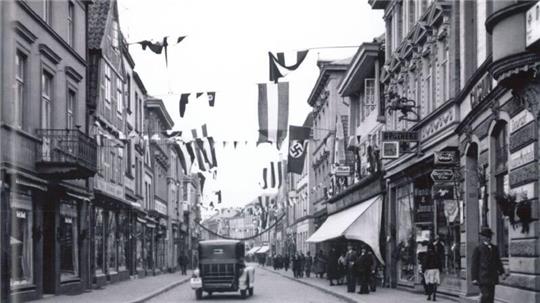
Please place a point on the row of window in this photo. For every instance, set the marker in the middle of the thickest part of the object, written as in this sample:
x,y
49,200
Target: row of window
x,y
47,15
47,83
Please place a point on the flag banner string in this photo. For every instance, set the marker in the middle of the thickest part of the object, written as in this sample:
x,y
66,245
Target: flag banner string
x,y
259,233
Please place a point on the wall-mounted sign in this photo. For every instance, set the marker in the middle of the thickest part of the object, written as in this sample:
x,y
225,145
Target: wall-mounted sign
x,y
522,156
443,191
343,170
442,175
532,25
423,205
390,150
481,90
446,157
520,120
402,136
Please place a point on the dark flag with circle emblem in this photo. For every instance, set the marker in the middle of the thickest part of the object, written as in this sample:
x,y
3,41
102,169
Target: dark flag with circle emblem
x,y
298,137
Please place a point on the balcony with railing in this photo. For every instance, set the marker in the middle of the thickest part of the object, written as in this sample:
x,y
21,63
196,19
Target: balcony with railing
x,y
66,154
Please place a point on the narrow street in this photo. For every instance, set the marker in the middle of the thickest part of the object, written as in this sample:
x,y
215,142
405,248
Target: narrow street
x,y
269,287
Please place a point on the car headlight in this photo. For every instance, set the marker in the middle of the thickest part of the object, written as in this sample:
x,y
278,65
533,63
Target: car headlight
x,y
196,273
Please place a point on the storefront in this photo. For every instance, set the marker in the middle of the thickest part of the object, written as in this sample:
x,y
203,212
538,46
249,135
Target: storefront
x,y
139,246
354,217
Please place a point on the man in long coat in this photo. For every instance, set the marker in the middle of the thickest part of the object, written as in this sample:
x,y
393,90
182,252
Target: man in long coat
x,y
350,260
363,266
486,266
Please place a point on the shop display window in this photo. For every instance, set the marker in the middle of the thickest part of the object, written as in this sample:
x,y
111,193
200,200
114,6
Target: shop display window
x,y
98,240
69,248
148,252
111,243
139,246
20,242
123,229
406,247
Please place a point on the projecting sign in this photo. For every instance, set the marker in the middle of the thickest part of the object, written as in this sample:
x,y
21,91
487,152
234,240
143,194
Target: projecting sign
x,y
343,170
390,150
446,157
443,191
402,136
442,175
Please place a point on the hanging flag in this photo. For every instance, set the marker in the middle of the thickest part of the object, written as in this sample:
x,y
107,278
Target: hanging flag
x,y
224,144
202,179
202,150
235,143
218,194
273,175
265,182
211,98
278,67
183,160
184,99
180,39
189,149
200,159
177,133
298,137
272,123
280,173
197,95
212,151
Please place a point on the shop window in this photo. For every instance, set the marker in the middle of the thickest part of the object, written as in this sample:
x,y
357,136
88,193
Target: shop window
x,y
69,249
406,238
111,243
20,242
123,227
148,252
98,240
139,246
499,145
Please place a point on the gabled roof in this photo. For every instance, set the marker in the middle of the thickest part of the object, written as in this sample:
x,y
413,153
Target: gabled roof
x,y
327,67
98,13
157,104
362,66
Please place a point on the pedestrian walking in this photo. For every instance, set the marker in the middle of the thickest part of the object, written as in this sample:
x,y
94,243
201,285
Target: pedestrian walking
x,y
320,264
286,261
363,266
302,264
373,273
332,266
350,259
431,268
309,264
341,269
296,265
486,266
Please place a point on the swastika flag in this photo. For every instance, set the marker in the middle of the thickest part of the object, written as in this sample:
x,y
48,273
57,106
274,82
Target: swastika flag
x,y
298,137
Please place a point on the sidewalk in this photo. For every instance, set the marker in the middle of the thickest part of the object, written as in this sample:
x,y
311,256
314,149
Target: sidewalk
x,y
130,291
382,295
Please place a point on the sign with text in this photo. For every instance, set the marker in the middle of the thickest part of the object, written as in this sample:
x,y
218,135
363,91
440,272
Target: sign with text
x,y
343,170
443,191
423,205
402,136
446,157
442,175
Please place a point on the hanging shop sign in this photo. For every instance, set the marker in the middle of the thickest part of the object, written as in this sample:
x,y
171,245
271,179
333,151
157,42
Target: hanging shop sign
x,y
390,150
343,170
443,192
442,175
403,136
446,157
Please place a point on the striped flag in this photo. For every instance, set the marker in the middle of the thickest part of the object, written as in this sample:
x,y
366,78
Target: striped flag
x,y
272,180
273,112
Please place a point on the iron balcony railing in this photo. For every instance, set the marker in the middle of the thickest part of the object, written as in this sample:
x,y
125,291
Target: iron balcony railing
x,y
67,147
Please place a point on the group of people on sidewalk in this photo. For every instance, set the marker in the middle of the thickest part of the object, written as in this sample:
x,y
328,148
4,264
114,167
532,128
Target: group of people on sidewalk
x,y
348,267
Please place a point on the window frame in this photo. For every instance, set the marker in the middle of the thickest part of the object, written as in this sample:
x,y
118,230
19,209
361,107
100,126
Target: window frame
x,y
21,78
71,24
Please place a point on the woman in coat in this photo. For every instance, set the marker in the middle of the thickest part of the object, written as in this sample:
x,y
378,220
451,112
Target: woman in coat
x,y
320,264
332,266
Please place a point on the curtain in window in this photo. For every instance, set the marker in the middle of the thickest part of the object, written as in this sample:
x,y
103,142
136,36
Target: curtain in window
x,y
21,247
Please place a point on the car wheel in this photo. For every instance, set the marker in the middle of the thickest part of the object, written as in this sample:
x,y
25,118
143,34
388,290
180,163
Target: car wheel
x,y
243,293
198,294
250,290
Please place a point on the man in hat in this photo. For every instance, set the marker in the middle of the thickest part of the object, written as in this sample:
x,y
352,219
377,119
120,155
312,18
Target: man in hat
x,y
486,266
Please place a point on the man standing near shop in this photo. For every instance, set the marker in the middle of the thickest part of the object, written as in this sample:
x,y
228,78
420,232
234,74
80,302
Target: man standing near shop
x,y
486,266
350,259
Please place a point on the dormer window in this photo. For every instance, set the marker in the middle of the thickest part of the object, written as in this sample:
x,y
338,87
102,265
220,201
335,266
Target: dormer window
x,y
115,35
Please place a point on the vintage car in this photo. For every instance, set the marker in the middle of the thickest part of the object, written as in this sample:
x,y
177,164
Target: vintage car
x,y
222,269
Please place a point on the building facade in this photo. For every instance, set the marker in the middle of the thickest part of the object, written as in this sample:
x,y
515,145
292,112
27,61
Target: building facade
x,y
47,156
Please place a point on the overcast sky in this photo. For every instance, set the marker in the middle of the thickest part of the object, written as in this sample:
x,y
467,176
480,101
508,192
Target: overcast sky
x,y
226,50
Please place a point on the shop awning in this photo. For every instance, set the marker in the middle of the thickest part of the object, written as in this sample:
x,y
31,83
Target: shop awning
x,y
361,222
263,250
253,250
